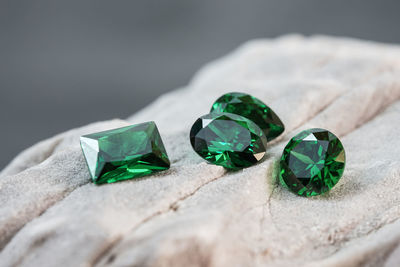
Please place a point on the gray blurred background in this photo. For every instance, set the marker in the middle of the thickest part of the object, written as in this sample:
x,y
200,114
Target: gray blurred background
x,y
64,64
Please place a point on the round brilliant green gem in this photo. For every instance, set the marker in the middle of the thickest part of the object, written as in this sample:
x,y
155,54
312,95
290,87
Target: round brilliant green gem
x,y
312,162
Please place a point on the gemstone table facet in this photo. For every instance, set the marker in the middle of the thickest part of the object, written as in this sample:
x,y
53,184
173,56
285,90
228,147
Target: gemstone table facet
x,y
312,162
228,140
124,153
253,109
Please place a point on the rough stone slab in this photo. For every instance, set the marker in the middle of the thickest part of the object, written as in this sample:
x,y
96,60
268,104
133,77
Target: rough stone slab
x,y
197,214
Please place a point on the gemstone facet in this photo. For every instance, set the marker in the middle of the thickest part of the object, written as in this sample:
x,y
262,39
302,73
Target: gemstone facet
x,y
228,140
124,153
312,162
253,109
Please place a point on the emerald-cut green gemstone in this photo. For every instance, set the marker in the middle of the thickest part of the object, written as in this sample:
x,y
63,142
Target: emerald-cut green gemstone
x,y
228,140
312,162
253,109
124,153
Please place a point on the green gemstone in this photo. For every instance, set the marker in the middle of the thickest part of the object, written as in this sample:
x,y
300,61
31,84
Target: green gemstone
x,y
312,162
124,153
228,140
253,109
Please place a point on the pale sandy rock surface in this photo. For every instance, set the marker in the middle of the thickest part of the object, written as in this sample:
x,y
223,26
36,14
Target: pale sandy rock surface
x,y
196,214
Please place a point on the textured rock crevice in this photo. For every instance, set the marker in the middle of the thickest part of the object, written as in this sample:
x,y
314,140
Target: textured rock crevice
x,y
174,206
197,214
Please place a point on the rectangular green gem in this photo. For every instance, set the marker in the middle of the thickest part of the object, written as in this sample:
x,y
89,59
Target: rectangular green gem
x,y
124,153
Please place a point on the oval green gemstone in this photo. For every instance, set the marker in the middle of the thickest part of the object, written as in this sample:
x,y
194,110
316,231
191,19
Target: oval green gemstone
x,y
228,140
253,109
312,162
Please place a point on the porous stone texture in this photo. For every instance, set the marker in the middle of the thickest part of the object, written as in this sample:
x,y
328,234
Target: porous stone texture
x,y
196,214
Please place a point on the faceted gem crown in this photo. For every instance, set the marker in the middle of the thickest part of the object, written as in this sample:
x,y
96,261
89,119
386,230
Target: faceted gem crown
x,y
312,162
124,153
253,109
228,140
